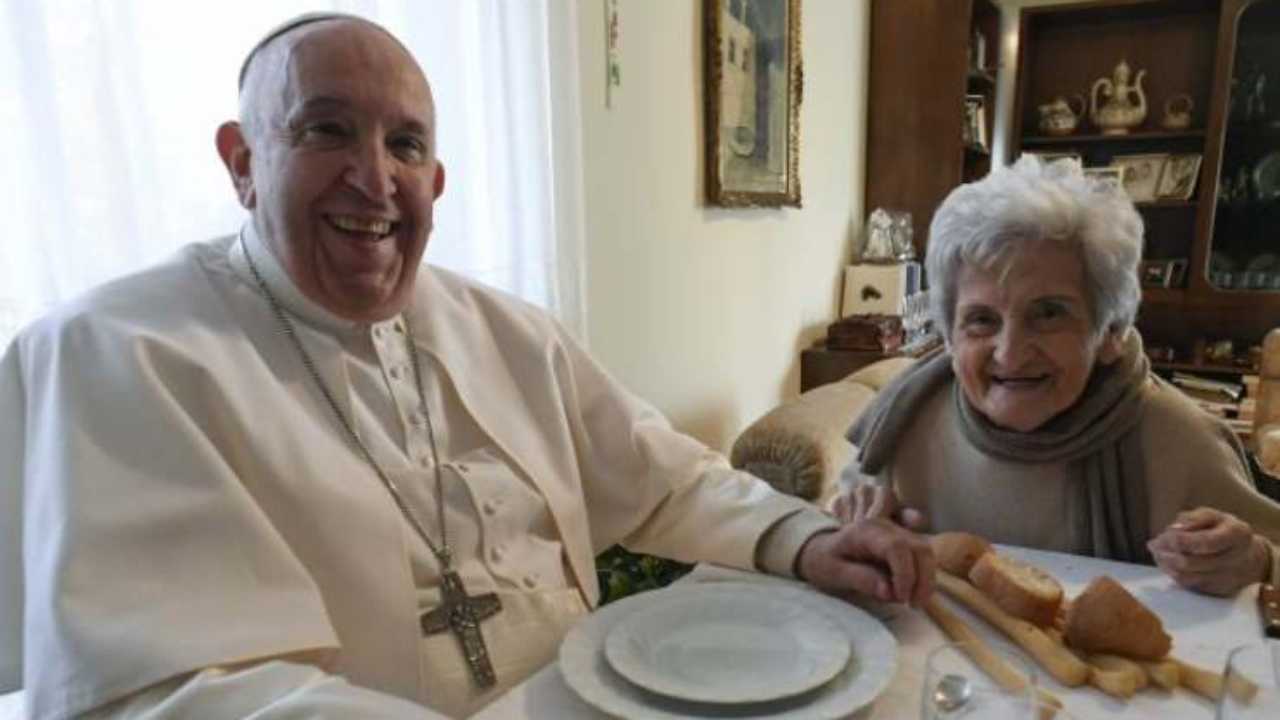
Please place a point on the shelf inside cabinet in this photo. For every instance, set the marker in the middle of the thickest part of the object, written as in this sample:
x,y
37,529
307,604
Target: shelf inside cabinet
x,y
981,77
1167,204
1163,296
1203,368
1154,136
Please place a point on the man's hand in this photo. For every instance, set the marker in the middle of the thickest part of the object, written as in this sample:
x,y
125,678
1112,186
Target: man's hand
x,y
868,500
1211,552
871,556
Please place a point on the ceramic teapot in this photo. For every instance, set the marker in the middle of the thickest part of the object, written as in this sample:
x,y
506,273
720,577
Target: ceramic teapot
x,y
1125,104
1058,117
1177,112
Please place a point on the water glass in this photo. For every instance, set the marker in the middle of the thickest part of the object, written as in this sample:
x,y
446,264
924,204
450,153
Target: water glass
x,y
1251,683
954,687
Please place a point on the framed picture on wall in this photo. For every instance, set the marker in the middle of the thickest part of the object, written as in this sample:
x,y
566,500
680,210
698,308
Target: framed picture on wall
x,y
753,91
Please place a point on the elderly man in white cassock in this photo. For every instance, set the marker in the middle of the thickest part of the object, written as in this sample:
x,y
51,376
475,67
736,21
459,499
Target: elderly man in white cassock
x,y
295,472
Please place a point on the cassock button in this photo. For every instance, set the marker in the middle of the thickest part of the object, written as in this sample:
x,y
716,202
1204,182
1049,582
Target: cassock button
x,y
489,507
424,460
462,468
495,553
395,373
530,582
377,331
418,419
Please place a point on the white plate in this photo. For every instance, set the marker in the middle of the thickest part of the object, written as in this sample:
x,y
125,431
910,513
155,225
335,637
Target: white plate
x,y
874,658
1266,176
725,646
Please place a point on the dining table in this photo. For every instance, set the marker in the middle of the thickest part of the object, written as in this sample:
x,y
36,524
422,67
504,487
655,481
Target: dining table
x,y
1204,630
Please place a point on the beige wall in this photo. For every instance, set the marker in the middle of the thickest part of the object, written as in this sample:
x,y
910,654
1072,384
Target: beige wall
x,y
703,311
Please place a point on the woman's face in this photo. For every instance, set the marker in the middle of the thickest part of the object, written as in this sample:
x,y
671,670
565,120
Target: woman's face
x,y
1023,345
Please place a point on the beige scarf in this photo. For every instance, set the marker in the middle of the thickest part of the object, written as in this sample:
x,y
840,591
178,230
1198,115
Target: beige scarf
x,y
1098,437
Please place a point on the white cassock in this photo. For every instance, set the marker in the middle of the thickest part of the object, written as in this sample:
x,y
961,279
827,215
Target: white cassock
x,y
178,498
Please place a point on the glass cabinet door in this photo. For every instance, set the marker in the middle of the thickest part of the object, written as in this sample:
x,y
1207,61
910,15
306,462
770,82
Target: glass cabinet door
x,y
1245,247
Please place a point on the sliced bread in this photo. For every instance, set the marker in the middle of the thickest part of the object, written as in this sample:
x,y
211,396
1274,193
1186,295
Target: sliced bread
x,y
1020,589
956,552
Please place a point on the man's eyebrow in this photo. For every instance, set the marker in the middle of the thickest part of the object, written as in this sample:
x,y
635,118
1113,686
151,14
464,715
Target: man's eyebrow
x,y
330,103
320,103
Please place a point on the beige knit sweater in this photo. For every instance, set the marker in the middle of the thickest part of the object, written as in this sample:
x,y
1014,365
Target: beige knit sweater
x,y
1190,462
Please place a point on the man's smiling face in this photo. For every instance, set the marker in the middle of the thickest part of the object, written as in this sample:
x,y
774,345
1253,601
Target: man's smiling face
x,y
1023,345
343,173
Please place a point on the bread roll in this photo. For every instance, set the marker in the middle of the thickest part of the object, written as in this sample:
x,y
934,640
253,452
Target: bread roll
x,y
1019,589
1105,618
956,552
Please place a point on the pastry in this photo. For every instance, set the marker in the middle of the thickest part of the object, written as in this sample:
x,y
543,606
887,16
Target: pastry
x,y
1105,618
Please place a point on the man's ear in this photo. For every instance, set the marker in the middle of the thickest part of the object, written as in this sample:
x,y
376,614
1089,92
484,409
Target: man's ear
x,y
1112,347
233,148
437,183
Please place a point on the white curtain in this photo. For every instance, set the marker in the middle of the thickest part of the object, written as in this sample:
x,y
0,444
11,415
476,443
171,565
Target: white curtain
x,y
108,111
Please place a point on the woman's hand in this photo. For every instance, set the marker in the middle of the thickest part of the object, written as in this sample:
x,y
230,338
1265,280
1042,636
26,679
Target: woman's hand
x,y
1211,552
868,500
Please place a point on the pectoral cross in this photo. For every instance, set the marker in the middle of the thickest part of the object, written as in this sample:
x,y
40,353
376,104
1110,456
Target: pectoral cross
x,y
462,613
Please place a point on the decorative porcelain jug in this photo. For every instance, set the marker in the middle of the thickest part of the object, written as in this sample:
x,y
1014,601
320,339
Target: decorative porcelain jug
x,y
1120,111
1059,117
1177,112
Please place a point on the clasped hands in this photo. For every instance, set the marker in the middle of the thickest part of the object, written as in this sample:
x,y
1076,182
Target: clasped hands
x,y
876,552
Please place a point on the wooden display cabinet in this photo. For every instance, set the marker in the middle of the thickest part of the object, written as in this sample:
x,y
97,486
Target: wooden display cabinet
x,y
1185,46
923,66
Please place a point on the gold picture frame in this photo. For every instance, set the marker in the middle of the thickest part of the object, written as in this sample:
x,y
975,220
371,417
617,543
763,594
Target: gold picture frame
x,y
753,91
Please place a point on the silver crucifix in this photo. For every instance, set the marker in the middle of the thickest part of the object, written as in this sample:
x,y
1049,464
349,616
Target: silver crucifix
x,y
462,614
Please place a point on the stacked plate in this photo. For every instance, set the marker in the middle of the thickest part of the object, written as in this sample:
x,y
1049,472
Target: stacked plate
x,y
729,650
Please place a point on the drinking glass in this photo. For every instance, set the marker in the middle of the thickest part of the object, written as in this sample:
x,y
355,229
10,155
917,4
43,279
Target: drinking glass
x,y
1251,683
954,687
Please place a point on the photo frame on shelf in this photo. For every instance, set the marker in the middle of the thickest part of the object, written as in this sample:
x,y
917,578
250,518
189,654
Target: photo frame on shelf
x,y
752,98
1178,180
1154,273
1049,157
1140,174
975,122
1107,174
1163,273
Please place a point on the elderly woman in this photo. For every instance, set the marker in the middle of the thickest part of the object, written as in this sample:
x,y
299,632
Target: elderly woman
x,y
1041,424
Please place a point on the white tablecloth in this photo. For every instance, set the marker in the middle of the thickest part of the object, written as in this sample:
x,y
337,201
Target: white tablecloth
x,y
1204,630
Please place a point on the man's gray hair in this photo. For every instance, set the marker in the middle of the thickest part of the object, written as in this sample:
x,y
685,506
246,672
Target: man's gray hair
x,y
985,224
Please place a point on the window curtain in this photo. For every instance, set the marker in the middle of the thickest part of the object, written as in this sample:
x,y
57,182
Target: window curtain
x,y
109,110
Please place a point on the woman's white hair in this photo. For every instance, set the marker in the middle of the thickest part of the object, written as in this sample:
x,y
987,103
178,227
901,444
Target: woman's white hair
x,y
987,223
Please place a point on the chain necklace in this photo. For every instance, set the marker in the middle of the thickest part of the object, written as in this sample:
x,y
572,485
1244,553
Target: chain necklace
x,y
458,612
442,551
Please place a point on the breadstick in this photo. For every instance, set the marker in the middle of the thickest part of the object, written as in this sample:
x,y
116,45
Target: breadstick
x,y
1116,676
1208,683
985,658
1161,672
1065,667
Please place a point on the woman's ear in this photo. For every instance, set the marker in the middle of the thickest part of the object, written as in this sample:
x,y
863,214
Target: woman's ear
x,y
1112,347
233,148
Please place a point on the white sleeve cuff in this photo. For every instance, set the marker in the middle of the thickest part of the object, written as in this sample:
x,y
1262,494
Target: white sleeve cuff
x,y
779,546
